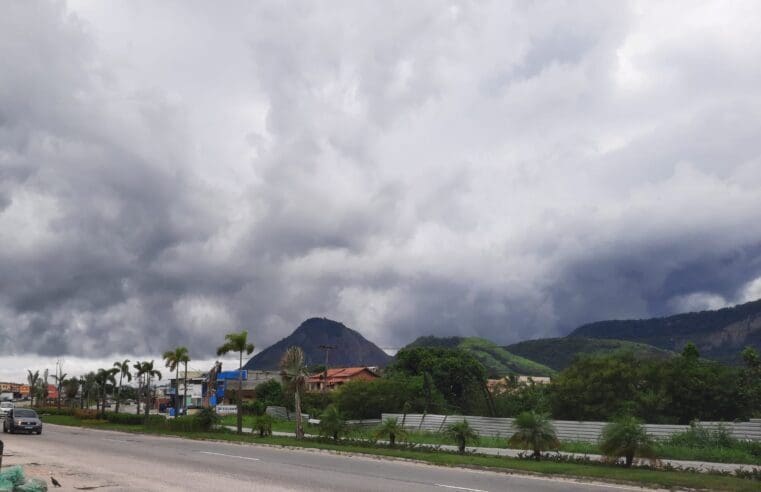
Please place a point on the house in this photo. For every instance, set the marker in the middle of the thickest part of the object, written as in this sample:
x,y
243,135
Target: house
x,y
338,376
497,386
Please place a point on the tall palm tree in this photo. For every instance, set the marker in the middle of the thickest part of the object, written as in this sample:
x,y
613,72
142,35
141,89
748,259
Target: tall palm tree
x,y
627,437
139,376
123,372
185,359
71,388
103,377
172,362
237,342
33,379
88,384
295,374
535,432
148,372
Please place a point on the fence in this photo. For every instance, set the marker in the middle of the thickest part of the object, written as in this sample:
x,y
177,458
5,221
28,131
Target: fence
x,y
567,430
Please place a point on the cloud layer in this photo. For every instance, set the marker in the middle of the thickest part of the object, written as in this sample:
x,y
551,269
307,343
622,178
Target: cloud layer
x,y
171,172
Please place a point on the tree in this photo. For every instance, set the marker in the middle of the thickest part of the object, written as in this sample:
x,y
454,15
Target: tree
x,y
462,433
332,423
238,342
627,437
455,373
70,389
59,378
391,429
172,360
103,377
534,432
750,382
148,372
263,425
33,380
295,374
123,371
139,376
88,384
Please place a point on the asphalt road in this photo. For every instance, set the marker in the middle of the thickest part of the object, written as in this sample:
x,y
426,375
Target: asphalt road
x,y
84,459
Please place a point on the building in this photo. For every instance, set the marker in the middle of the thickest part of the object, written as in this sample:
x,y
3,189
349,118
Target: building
x,y
339,376
196,381
497,386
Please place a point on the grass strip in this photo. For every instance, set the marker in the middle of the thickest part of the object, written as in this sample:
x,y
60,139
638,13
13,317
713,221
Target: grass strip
x,y
640,477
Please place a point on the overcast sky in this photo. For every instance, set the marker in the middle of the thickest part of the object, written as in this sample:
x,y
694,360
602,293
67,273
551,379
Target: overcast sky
x,y
173,171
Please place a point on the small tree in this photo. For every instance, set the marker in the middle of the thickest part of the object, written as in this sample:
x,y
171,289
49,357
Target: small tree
x,y
462,433
263,425
332,423
535,432
391,429
123,371
627,437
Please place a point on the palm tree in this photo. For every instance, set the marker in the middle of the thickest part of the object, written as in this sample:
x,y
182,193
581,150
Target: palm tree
x,y
295,374
87,382
123,372
238,342
332,423
627,437
462,433
59,377
71,388
391,429
33,379
148,372
172,360
536,432
185,359
103,377
139,376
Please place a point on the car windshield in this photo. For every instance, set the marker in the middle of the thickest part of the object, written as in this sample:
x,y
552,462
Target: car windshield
x,y
23,412
6,404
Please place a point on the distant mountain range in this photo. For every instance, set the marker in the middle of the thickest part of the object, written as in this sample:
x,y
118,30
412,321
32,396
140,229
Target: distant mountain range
x,y
720,335
497,361
558,353
352,349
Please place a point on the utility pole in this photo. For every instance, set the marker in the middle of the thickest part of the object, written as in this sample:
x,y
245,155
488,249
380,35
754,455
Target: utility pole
x,y
327,349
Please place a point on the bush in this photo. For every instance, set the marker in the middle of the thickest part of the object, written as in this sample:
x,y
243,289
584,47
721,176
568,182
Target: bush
x,y
263,425
186,423
699,436
125,418
627,437
332,423
56,411
207,419
86,413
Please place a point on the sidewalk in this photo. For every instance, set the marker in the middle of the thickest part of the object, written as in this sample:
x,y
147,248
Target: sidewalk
x,y
703,466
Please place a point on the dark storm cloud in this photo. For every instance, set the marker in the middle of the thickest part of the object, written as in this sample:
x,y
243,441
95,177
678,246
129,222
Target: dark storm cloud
x,y
171,173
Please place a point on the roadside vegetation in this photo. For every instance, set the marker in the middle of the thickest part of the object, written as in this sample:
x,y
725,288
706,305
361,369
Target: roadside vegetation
x,y
645,476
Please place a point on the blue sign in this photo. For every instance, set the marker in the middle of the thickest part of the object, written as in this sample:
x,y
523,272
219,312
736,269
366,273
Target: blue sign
x,y
232,375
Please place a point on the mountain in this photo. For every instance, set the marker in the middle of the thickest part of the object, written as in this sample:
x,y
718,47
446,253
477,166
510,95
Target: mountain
x,y
352,349
719,335
558,353
497,361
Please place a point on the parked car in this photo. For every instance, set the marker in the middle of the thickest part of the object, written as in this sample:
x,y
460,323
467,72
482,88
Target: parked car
x,y
22,419
5,407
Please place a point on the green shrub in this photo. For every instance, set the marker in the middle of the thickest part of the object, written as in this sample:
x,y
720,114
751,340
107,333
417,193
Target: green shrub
x,y
185,423
207,419
86,413
627,437
126,418
699,436
56,411
263,425
332,423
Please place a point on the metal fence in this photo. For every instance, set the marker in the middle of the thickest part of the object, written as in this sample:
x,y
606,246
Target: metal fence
x,y
567,430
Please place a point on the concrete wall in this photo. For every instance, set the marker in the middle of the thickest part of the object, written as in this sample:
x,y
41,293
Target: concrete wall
x,y
567,430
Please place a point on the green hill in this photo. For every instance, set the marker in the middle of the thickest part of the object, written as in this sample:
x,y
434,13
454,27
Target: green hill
x,y
720,335
497,361
558,353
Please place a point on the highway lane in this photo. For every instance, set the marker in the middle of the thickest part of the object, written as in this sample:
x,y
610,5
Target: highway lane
x,y
82,458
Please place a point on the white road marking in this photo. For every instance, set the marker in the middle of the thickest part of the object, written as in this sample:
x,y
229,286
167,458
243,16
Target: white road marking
x,y
230,456
458,488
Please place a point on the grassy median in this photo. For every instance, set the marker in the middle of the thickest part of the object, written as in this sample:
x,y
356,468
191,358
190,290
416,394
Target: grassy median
x,y
634,476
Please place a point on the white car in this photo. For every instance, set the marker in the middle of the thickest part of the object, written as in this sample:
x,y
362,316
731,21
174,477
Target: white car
x,y
5,408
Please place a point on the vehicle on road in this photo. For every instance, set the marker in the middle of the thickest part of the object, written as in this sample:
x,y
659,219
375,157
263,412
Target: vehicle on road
x,y
5,407
22,419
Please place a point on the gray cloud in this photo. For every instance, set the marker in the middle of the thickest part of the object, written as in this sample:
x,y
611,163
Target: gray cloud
x,y
172,172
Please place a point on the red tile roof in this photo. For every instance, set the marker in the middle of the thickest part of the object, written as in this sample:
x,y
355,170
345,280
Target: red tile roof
x,y
338,374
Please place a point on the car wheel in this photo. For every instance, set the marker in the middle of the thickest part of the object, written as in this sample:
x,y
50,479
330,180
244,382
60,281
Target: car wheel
x,y
39,432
